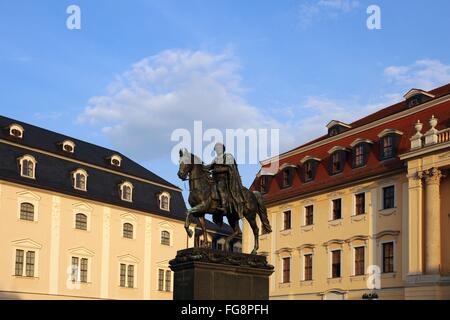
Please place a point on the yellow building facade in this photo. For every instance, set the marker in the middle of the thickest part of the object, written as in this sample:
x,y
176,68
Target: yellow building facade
x,y
364,210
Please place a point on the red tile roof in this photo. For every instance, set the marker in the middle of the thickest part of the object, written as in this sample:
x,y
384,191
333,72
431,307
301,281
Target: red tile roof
x,y
374,166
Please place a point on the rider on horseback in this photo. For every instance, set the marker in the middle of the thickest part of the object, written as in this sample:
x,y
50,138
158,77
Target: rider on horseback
x,y
228,181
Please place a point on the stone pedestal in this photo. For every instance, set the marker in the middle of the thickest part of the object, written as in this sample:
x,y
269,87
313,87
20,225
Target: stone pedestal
x,y
207,274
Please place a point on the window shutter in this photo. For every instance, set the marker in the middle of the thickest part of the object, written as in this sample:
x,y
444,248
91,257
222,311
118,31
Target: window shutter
x,y
343,157
330,165
315,164
396,141
302,172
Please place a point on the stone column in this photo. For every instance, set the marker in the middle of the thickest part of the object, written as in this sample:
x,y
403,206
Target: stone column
x,y
433,222
415,224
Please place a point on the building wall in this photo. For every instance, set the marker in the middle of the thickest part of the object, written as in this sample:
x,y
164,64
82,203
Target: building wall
x,y
55,240
369,230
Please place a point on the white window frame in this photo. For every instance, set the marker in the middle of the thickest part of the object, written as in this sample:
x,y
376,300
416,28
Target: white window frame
x,y
28,157
84,209
18,127
354,203
133,220
26,245
304,215
161,195
129,260
330,263
121,187
28,197
118,158
165,226
330,218
68,143
354,259
81,253
382,187
394,242
282,258
74,179
283,213
304,265
165,269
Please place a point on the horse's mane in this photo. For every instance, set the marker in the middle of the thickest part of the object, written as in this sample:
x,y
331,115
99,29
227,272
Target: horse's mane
x,y
198,161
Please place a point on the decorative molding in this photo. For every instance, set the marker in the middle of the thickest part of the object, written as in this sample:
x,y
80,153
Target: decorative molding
x,y
283,250
381,234
338,148
27,243
128,258
360,140
82,251
307,158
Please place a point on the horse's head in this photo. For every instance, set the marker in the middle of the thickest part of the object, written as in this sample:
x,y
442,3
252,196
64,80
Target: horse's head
x,y
186,163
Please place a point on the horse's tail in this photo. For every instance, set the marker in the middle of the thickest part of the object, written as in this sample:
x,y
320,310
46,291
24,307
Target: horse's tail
x,y
262,212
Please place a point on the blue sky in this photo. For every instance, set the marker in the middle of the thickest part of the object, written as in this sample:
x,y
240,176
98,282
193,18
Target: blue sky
x,y
126,79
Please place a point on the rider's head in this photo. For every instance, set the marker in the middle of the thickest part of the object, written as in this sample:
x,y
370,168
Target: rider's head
x,y
219,148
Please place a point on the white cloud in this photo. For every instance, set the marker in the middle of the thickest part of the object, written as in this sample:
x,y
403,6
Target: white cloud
x,y
313,10
168,91
424,74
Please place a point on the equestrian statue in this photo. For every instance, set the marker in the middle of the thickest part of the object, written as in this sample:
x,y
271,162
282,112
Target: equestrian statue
x,y
217,189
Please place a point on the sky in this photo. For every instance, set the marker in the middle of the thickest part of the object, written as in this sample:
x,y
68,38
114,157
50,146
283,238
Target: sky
x,y
137,70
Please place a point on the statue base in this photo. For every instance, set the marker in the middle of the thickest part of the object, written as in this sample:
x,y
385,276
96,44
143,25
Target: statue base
x,y
207,274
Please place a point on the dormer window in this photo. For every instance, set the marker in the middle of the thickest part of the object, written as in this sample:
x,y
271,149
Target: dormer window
x,y
68,146
360,152
164,201
336,127
126,191
288,172
116,160
414,97
28,167
265,179
389,143
79,178
309,168
16,131
338,156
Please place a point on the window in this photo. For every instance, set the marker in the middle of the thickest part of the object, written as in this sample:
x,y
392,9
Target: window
x,y
360,206
336,264
263,184
308,258
389,197
27,167
359,261
388,257
126,191
165,238
16,131
164,201
81,221
337,209
27,211
337,161
164,280
309,171
126,275
168,280
309,215
116,160
288,175
29,263
286,270
287,220
161,280
128,230
68,146
388,149
80,180
359,155
79,269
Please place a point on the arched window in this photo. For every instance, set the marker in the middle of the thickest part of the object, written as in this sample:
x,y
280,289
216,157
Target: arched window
x,y
16,131
128,230
27,166
116,160
81,221
389,142
80,180
68,146
165,238
164,201
126,191
27,211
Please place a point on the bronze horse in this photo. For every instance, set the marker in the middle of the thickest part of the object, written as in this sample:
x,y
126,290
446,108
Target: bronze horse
x,y
204,200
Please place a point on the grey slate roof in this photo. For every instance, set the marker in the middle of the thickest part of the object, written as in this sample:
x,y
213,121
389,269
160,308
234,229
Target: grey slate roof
x,y
54,173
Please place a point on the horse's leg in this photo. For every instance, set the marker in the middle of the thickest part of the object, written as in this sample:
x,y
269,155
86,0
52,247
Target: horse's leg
x,y
236,230
205,234
187,223
255,229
